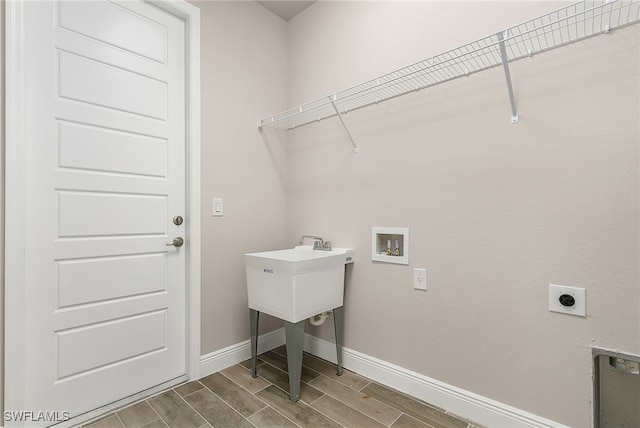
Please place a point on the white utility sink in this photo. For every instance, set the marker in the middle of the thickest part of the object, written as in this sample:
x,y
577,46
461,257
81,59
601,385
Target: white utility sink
x,y
296,283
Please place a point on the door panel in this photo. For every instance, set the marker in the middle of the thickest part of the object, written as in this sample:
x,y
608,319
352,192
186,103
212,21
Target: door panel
x,y
128,276
86,80
106,150
98,21
105,139
83,349
85,214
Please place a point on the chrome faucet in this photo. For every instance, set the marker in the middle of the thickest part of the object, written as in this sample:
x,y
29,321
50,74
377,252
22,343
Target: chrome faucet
x,y
318,240
318,243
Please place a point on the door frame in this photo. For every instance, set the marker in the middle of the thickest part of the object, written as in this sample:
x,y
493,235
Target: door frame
x,y
15,208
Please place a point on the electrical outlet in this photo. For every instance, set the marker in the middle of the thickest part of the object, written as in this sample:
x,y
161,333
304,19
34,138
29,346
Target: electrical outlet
x,y
567,300
419,279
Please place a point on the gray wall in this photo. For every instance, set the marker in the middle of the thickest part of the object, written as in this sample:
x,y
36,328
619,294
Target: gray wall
x,y
496,211
244,69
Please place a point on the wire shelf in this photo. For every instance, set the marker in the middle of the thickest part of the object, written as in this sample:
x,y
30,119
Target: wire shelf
x,y
577,21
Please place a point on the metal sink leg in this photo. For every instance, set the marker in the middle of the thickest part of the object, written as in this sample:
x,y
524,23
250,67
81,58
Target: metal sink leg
x,y
338,324
294,336
254,317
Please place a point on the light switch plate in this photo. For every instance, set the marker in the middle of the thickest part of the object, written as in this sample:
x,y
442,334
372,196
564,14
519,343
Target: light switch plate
x,y
218,208
567,300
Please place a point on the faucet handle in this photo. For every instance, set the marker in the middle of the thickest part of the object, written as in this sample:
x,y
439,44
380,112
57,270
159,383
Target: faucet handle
x,y
327,245
317,244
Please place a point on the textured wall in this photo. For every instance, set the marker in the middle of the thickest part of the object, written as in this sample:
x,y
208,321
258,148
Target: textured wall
x,y
496,211
243,73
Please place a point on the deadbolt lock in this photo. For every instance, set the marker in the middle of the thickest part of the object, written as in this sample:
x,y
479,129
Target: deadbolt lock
x,y
178,220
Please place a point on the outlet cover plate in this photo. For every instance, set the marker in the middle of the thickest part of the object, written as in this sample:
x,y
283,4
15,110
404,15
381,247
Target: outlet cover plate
x,y
578,294
420,279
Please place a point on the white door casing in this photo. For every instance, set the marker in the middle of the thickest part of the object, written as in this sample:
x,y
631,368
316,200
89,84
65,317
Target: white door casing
x,y
95,302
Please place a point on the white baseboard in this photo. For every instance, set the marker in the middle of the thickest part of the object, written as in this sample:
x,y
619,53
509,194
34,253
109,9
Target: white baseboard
x,y
462,403
234,354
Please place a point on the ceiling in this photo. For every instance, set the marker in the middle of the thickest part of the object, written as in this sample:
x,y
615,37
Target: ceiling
x,y
286,9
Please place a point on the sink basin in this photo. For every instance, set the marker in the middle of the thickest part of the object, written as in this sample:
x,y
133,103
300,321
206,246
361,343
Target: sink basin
x,y
296,283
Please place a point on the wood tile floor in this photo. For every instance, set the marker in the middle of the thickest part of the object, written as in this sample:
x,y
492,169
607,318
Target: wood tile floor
x,y
232,398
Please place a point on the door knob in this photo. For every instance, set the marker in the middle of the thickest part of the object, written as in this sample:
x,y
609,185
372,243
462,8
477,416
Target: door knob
x,y
177,242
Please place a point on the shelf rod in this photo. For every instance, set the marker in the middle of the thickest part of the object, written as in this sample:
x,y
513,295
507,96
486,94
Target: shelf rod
x,y
332,98
505,65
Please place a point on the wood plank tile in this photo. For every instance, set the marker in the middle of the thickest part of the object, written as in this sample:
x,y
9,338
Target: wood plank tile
x,y
188,388
428,414
137,415
108,421
308,394
247,363
242,377
351,379
158,423
269,418
215,411
174,411
300,413
343,414
282,350
280,362
359,401
406,421
399,399
275,376
233,394
275,359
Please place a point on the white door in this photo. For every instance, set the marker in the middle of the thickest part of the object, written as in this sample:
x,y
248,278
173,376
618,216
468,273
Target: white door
x,y
105,149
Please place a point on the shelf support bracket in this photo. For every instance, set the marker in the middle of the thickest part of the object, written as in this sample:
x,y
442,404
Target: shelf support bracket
x,y
332,98
261,131
264,137
505,65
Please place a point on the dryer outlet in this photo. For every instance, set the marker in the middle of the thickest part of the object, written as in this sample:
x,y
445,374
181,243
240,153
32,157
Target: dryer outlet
x,y
567,300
